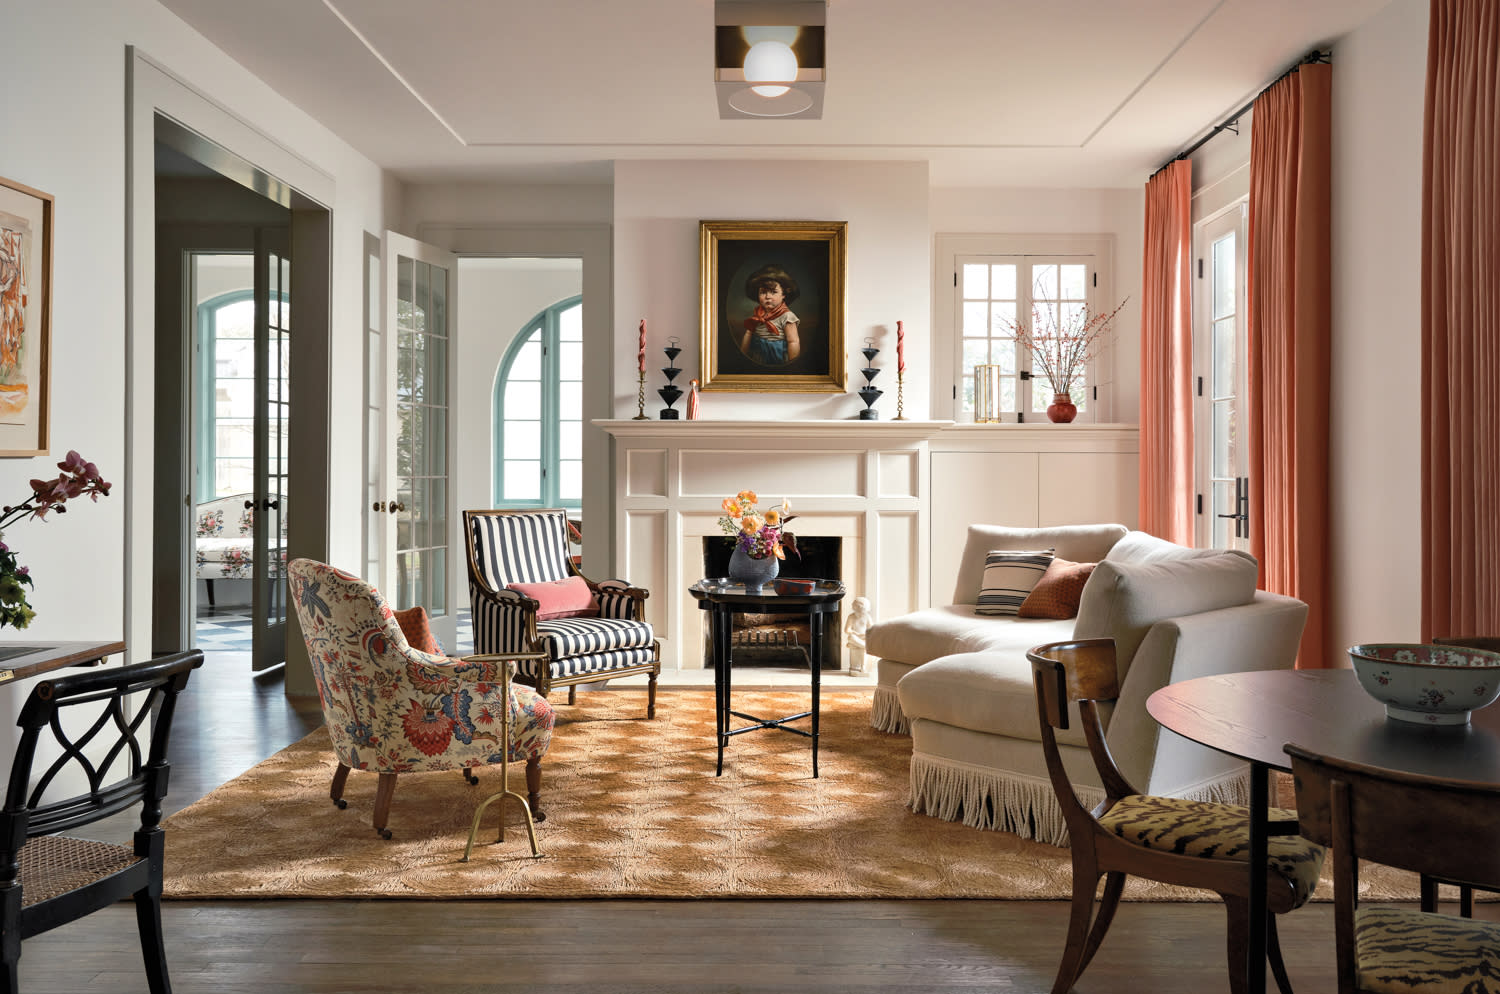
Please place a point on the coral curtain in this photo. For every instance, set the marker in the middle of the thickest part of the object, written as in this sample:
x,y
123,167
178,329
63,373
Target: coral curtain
x,y
1166,439
1290,315
1461,321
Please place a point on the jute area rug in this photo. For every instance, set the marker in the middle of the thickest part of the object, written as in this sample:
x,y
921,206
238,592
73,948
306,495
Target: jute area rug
x,y
633,810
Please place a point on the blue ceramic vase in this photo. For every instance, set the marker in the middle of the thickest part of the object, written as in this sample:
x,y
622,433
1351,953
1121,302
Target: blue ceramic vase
x,y
753,573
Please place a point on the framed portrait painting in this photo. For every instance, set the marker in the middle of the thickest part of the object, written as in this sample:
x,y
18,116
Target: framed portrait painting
x,y
773,305
25,318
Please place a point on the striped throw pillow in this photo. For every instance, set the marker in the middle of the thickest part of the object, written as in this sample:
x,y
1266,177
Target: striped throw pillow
x,y
1009,576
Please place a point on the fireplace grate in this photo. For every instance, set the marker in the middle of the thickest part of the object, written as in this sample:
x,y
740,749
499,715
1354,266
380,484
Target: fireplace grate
x,y
777,642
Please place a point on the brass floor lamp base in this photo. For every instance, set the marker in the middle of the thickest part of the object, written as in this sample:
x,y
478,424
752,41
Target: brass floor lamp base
x,y
501,796
508,664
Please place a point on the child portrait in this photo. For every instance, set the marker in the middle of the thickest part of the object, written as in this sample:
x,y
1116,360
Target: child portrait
x,y
773,307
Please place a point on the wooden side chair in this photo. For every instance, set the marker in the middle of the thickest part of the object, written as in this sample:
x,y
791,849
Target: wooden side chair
x,y
1441,828
391,709
528,597
101,722
1170,839
1429,885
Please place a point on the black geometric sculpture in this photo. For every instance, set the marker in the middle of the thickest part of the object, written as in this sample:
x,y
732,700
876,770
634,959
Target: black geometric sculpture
x,y
671,392
868,393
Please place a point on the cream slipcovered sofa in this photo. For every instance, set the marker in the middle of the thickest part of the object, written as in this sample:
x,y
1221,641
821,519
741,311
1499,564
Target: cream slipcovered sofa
x,y
961,685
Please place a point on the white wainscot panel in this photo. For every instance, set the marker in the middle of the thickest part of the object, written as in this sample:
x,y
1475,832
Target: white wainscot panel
x,y
898,579
772,473
646,472
971,488
900,474
1081,488
646,563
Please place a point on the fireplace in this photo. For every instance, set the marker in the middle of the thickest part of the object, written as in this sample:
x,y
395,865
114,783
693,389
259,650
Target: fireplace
x,y
782,639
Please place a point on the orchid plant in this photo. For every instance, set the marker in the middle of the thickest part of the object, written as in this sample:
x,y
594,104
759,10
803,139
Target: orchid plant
x,y
759,534
78,477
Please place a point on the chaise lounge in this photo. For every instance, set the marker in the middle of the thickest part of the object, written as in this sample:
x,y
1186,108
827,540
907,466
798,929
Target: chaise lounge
x,y
959,682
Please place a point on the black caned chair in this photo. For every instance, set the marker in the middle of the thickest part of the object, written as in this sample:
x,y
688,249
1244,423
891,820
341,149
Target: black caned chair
x,y
101,722
527,596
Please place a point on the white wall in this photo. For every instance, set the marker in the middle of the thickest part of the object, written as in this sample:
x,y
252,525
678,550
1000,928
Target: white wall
x,y
1018,211
67,137
657,209
1378,83
496,297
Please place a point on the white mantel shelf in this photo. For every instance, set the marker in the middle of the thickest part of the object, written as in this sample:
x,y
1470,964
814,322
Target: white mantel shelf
x,y
885,431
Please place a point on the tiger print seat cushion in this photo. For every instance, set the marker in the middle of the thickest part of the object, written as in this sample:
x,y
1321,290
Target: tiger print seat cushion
x,y
1213,831
1400,950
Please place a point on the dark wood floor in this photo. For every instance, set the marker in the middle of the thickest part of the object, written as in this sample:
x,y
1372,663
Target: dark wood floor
x,y
229,721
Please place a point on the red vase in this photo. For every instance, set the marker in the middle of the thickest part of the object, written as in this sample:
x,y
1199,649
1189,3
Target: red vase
x,y
1062,409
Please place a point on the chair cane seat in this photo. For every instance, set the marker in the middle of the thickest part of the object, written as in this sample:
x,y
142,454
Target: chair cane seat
x,y
1400,950
1214,831
53,865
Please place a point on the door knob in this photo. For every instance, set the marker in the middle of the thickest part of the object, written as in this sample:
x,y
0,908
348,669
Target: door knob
x,y
249,505
396,506
272,505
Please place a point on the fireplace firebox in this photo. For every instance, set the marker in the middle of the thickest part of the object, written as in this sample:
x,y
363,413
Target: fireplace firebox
x,y
777,639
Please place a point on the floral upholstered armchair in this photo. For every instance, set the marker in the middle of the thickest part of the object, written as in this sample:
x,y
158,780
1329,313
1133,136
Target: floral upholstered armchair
x,y
392,709
528,596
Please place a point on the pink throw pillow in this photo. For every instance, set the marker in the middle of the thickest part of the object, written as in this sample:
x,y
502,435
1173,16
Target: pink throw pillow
x,y
569,597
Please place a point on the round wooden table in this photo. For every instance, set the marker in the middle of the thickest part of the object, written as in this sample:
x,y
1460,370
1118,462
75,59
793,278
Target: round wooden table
x,y
1254,715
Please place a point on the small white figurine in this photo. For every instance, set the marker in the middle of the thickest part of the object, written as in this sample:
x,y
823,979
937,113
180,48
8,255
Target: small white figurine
x,y
854,630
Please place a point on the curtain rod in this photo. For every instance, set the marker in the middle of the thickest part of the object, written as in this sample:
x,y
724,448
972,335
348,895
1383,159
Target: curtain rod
x,y
1231,123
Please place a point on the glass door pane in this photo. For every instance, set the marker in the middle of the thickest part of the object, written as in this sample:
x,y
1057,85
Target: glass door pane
x,y
268,505
418,528
1220,358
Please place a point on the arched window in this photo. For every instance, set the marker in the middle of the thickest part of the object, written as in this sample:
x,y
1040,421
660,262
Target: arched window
x,y
538,411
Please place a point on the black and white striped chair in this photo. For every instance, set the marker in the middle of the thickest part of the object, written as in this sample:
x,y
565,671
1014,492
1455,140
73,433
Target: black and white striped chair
x,y
527,596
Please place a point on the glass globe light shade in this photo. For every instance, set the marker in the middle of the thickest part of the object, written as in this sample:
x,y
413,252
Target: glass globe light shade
x,y
770,62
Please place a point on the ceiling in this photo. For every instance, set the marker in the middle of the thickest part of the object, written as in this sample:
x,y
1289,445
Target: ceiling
x,y
1075,93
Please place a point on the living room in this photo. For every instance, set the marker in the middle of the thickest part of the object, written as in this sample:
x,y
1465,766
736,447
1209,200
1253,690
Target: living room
x,y
636,230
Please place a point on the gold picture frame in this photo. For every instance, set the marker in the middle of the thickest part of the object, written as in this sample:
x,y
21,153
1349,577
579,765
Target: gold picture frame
x,y
25,319
747,347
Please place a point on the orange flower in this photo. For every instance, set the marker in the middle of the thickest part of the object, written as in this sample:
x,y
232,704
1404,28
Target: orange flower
x,y
750,524
780,552
731,507
748,496
773,517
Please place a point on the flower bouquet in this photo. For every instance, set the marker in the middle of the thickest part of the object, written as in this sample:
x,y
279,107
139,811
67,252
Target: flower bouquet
x,y
78,477
761,538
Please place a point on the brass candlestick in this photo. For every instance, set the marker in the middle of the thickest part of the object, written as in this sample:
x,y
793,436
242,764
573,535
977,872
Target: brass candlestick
x,y
900,400
640,400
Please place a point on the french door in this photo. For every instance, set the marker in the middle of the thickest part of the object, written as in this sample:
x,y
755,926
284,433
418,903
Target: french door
x,y
1220,358
417,544
267,506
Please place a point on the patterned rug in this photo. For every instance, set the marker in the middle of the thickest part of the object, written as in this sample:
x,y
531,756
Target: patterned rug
x,y
633,810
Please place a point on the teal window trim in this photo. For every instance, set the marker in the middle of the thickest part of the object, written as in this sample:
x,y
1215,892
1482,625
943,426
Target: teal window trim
x,y
548,322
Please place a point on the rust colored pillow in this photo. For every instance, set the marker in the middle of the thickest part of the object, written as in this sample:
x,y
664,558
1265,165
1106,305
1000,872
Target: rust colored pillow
x,y
1057,593
418,632
569,597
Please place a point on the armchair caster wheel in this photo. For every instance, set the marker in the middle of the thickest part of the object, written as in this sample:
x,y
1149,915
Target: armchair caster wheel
x,y
469,776
341,804
384,833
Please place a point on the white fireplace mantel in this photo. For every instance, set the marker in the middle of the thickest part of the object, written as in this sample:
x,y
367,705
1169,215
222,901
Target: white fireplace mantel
x,y
899,494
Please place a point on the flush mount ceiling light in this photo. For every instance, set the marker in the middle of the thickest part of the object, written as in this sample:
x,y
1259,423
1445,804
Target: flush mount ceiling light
x,y
768,57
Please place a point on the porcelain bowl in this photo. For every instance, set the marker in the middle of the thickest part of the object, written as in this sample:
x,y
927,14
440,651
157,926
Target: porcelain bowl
x,y
1428,684
788,586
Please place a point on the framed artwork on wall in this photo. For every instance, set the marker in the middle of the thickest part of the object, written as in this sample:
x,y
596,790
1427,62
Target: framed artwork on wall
x,y
773,306
25,318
